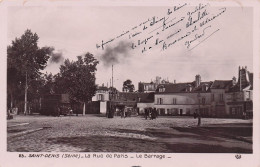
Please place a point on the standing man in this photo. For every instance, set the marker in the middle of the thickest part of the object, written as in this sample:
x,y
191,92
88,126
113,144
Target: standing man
x,y
199,119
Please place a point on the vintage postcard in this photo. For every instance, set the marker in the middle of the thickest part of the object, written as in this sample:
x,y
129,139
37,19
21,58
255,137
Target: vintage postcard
x,y
133,83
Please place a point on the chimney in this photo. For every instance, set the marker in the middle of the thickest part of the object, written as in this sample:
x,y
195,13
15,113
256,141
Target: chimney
x,y
242,78
158,80
197,80
174,81
234,80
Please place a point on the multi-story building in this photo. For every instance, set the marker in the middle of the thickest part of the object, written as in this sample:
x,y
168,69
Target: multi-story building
x,y
219,89
183,98
239,99
221,98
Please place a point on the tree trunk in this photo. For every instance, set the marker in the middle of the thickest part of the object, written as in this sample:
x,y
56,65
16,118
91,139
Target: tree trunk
x,y
84,109
11,105
40,103
25,95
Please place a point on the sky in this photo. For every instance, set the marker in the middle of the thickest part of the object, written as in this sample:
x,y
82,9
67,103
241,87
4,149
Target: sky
x,y
216,49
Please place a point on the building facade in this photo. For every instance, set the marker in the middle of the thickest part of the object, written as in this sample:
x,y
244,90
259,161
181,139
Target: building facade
x,y
218,98
102,97
239,98
184,98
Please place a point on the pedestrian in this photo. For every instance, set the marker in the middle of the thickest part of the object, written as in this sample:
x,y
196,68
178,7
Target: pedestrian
x,y
126,113
199,119
154,113
150,113
195,115
122,113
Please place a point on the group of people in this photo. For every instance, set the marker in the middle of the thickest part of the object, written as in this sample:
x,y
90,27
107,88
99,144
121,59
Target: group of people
x,y
125,113
150,113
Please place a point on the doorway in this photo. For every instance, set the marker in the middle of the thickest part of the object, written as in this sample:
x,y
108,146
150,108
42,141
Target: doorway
x,y
181,112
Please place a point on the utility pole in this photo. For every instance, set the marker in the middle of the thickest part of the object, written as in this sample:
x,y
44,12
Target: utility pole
x,y
112,77
240,79
199,116
111,112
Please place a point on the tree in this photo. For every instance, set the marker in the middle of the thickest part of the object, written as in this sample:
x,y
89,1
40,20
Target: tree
x,y
128,86
24,62
78,79
48,85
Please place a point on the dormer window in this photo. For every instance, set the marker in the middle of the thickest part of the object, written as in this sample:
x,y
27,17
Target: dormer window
x,y
205,87
161,89
100,97
188,88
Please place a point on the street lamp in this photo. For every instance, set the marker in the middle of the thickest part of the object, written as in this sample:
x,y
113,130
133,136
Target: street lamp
x,y
199,116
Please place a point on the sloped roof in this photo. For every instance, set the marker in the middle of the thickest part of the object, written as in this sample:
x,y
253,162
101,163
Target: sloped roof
x,y
182,87
132,96
251,80
102,88
221,84
200,87
146,97
178,87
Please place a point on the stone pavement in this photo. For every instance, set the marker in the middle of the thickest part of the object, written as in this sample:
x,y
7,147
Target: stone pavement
x,y
92,133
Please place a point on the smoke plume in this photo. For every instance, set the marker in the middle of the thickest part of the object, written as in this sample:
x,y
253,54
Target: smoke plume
x,y
56,57
117,54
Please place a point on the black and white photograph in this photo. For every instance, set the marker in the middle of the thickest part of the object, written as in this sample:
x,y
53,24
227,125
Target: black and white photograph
x,y
130,81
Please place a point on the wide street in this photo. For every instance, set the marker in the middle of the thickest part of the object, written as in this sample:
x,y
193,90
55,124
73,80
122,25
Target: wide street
x,y
95,133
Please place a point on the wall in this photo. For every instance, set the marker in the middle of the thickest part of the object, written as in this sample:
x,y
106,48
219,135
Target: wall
x,y
183,98
105,96
103,107
186,103
217,93
248,95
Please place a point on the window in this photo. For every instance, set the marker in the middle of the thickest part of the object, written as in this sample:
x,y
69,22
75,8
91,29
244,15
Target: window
x,y
234,96
212,97
174,100
161,89
159,101
188,111
205,87
247,95
233,110
221,99
188,88
203,100
100,97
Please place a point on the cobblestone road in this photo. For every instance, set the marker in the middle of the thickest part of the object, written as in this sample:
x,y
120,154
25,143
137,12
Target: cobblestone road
x,y
93,133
